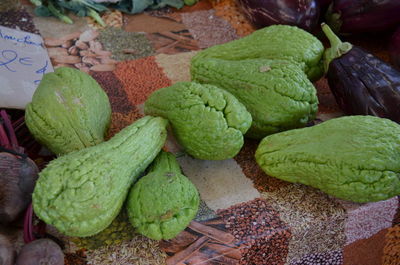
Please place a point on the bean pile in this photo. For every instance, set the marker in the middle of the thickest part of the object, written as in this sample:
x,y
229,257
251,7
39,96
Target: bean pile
x,y
261,235
329,258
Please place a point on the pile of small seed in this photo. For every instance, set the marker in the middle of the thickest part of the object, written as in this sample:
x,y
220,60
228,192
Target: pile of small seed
x,y
229,10
140,78
18,19
208,29
259,232
77,258
328,258
125,45
391,251
139,251
80,50
115,91
6,5
204,213
118,231
317,222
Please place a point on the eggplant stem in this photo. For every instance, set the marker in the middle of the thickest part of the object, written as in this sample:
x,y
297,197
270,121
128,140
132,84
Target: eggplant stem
x,y
10,129
337,49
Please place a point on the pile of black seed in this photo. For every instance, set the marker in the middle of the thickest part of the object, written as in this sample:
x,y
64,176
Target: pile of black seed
x,y
328,258
18,19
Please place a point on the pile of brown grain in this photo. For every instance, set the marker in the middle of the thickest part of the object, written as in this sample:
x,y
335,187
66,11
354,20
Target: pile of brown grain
x,y
229,10
258,229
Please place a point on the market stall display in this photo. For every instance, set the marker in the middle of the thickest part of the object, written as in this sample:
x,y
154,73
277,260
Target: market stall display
x,y
193,186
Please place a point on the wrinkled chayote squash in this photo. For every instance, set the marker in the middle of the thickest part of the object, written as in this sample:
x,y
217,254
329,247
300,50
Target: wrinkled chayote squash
x,y
277,93
273,42
355,158
162,203
207,121
69,111
81,193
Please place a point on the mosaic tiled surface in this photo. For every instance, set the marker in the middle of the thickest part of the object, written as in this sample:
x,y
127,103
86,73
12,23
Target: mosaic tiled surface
x,y
253,218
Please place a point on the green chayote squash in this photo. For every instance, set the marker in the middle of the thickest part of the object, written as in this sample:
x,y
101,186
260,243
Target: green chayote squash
x,y
207,121
277,93
273,42
354,158
81,193
163,202
69,111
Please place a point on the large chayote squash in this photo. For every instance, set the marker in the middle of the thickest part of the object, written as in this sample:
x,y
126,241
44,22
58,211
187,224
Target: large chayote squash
x,y
207,121
69,111
277,93
162,203
354,158
273,42
81,193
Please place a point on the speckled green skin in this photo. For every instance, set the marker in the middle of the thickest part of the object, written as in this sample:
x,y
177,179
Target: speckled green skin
x,y
81,193
206,120
69,111
276,92
354,158
273,42
162,203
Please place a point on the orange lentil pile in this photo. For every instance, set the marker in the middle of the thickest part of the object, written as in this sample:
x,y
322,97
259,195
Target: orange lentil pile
x,y
391,251
140,78
229,10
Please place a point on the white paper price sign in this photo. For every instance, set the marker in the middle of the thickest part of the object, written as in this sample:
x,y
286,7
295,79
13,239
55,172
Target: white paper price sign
x,y
23,62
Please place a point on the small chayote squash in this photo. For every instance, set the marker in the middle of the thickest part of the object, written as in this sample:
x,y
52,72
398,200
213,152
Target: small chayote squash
x,y
355,158
81,193
207,121
273,42
277,93
163,202
69,111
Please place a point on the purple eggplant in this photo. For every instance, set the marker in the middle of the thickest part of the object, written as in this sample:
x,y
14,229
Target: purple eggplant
x,y
324,4
301,13
394,48
361,83
359,16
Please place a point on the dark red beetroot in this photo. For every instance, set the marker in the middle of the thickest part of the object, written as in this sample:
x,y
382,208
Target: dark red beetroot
x,y
18,173
358,16
301,13
41,251
394,48
7,252
361,83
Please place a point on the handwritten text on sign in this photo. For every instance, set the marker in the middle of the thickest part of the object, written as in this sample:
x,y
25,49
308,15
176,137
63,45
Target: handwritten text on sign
x,y
23,62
